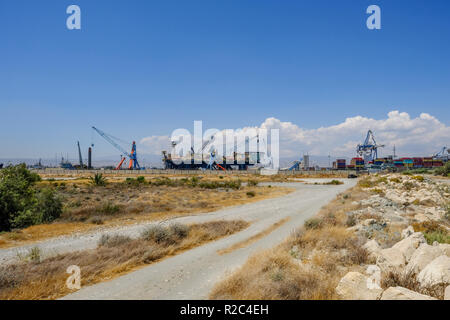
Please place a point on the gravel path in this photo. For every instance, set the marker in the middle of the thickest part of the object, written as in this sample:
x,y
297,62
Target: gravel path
x,y
192,274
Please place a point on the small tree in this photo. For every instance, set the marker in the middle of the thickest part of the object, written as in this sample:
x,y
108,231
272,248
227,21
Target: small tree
x,y
21,203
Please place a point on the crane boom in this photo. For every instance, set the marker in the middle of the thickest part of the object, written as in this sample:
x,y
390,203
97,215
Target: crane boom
x,y
111,141
79,155
133,158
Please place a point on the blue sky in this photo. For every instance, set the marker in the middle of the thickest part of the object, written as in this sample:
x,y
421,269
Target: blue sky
x,y
140,68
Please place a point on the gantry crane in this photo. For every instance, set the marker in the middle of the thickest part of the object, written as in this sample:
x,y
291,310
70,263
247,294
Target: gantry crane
x,y
369,149
133,164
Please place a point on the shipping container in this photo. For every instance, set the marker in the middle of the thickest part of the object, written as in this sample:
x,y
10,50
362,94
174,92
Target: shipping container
x,y
438,163
407,162
428,162
398,163
341,164
418,162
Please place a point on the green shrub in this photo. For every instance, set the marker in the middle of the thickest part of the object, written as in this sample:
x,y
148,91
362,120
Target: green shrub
x,y
251,194
98,180
34,255
334,182
408,185
444,170
45,209
252,183
366,183
23,204
140,179
109,208
395,180
432,231
439,236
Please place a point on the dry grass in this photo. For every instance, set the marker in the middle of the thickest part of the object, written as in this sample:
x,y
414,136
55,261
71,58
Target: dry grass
x,y
308,266
252,239
273,275
244,176
115,255
410,282
87,207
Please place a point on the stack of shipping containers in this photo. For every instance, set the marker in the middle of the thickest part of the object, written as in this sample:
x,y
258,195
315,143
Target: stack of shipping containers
x,y
341,164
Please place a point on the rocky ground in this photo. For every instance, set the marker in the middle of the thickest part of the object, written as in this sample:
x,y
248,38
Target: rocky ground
x,y
406,224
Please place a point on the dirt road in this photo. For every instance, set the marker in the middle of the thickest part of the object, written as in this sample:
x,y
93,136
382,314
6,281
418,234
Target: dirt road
x,y
192,274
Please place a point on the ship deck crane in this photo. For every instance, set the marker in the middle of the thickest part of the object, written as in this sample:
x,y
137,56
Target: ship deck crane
x,y
133,164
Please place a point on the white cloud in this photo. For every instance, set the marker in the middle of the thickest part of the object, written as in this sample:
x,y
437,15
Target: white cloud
x,y
155,144
419,136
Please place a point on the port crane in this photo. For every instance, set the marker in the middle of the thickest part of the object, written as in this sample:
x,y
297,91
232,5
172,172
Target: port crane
x,y
369,149
79,155
133,164
443,154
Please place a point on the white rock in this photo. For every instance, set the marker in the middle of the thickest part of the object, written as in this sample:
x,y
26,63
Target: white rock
x,y
391,259
368,222
422,257
445,248
407,232
436,272
353,286
372,247
408,245
447,293
400,293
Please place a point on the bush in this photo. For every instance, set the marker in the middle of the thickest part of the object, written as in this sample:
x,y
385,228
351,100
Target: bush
x,y
115,240
156,233
34,255
351,221
96,220
366,183
334,182
444,170
418,178
98,180
396,180
179,230
48,207
251,194
166,235
136,182
313,223
109,208
45,209
438,236
21,203
432,231
252,183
